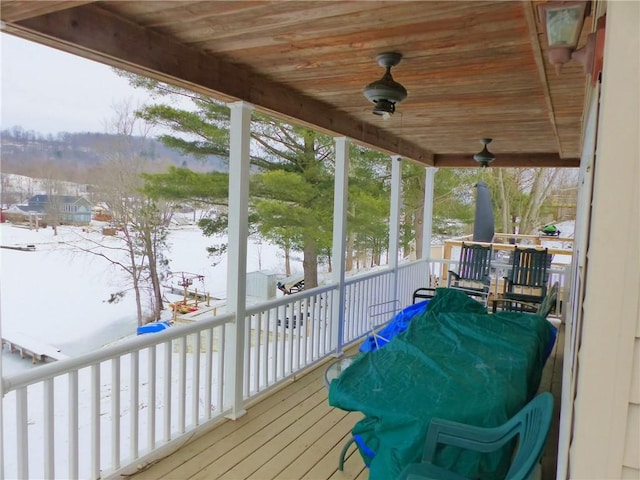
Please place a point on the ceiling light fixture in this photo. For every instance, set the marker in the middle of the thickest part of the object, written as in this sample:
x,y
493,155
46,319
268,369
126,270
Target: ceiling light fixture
x,y
386,92
485,157
563,23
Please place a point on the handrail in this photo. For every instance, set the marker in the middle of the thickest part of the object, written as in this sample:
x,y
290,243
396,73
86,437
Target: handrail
x,y
510,246
516,236
50,370
301,295
379,272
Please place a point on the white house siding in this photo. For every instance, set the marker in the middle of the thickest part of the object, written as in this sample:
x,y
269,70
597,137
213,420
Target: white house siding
x,y
605,442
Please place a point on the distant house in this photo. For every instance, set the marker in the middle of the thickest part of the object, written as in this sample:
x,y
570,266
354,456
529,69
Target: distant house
x,y
15,214
66,209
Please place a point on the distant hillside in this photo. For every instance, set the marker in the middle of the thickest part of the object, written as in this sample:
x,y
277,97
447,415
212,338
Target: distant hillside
x,y
28,152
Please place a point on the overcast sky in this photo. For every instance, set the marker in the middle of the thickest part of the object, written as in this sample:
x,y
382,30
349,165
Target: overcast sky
x,y
50,91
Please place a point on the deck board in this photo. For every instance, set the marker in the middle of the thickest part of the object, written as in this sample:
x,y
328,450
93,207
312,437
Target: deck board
x,y
294,434
552,382
225,437
256,450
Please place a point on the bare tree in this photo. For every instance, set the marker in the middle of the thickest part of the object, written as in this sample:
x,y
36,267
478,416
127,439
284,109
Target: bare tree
x,y
54,190
9,196
521,194
141,222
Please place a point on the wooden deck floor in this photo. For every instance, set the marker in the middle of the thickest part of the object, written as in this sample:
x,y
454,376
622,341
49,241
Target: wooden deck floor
x,y
295,434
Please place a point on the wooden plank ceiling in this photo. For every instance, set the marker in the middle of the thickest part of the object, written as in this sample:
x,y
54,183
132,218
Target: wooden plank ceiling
x,y
472,69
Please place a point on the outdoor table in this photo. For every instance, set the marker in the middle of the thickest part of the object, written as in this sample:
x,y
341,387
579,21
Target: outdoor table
x,y
454,361
334,370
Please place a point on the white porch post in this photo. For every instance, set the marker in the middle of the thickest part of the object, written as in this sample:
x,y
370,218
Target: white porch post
x,y
340,202
427,219
394,221
237,253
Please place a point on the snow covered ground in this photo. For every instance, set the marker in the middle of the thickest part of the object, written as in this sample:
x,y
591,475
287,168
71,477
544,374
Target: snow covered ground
x,y
58,295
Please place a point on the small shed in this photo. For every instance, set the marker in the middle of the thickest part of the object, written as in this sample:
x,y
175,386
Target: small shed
x,y
262,284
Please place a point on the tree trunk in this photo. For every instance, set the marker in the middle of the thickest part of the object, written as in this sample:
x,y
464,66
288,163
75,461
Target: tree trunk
x,y
310,264
158,303
505,208
539,192
136,291
419,229
287,261
135,276
350,245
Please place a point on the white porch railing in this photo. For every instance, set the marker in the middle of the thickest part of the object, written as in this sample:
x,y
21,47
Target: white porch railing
x,y
80,417
112,410
286,336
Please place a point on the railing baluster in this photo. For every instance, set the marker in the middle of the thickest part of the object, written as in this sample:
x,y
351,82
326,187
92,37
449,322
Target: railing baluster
x,y
246,378
290,344
73,424
115,412
182,383
270,334
49,437
262,353
151,397
134,381
303,329
95,421
280,357
328,327
208,374
295,327
255,365
315,332
167,390
22,433
323,322
352,314
195,379
222,347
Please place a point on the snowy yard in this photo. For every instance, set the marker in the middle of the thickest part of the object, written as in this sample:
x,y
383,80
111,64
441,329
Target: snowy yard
x,y
58,295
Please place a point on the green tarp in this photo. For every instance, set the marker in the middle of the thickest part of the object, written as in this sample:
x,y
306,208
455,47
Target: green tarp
x,y
454,361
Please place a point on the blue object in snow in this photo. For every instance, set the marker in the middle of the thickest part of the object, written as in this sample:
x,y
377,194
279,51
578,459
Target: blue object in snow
x,y
153,327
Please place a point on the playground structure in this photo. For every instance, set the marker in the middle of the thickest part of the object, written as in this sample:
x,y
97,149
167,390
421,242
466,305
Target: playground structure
x,y
191,298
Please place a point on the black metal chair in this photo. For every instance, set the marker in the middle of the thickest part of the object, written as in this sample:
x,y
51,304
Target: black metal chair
x,y
543,309
424,293
525,286
472,276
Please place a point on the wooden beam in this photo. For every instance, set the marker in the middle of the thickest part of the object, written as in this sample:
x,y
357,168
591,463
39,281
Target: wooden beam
x,y
510,160
534,37
92,32
16,10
